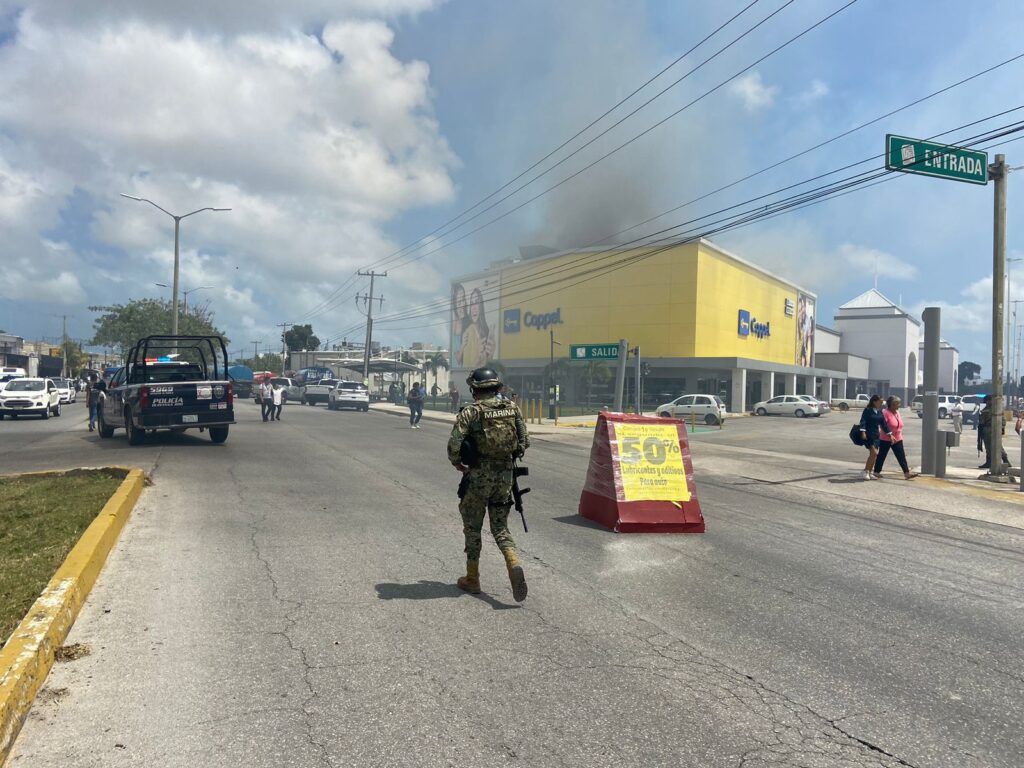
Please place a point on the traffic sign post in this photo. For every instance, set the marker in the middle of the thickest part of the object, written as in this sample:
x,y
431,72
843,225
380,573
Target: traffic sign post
x,y
930,159
944,161
593,351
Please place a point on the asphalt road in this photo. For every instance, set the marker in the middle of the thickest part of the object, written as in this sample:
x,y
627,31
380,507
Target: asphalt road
x,y
287,599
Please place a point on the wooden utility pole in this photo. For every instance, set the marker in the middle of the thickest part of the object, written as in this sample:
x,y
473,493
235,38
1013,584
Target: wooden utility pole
x,y
367,301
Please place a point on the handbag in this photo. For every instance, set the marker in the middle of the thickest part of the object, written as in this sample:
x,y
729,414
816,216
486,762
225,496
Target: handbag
x,y
855,435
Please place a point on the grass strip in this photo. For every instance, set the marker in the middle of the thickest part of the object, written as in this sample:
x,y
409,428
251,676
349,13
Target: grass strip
x,y
41,519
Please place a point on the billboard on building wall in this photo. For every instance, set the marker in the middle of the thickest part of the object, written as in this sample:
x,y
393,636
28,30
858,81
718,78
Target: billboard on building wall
x,y
475,322
805,330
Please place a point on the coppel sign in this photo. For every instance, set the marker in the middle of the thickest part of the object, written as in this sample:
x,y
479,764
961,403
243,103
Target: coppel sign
x,y
750,326
539,321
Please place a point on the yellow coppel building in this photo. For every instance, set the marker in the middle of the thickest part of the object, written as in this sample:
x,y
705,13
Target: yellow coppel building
x,y
703,317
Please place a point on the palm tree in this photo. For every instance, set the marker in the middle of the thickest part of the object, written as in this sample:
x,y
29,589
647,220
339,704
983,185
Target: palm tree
x,y
594,372
433,364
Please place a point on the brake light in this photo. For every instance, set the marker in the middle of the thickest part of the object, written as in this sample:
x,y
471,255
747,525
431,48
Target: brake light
x,y
144,397
230,393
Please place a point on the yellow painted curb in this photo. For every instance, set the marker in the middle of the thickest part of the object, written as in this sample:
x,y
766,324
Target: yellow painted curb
x,y
26,659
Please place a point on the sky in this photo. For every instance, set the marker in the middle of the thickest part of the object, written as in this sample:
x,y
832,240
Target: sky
x,y
341,131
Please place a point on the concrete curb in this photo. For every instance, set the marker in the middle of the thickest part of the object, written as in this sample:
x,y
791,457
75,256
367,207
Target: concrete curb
x,y
29,654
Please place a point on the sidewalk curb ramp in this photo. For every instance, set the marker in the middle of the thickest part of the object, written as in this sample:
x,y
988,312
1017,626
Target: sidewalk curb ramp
x,y
29,654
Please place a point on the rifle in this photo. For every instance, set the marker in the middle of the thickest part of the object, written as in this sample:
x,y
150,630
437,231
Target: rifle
x,y
518,493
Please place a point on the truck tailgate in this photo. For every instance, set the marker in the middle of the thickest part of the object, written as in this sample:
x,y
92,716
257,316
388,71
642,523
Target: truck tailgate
x,y
186,404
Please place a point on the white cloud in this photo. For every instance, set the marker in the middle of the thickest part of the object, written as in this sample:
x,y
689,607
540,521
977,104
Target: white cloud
x,y
818,89
753,92
315,141
865,260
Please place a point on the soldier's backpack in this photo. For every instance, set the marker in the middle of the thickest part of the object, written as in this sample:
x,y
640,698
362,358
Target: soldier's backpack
x,y
498,426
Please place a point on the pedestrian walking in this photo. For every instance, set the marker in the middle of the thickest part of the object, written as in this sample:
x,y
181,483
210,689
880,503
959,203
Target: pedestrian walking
x,y
872,424
453,395
985,434
277,398
92,399
415,400
493,433
267,399
892,440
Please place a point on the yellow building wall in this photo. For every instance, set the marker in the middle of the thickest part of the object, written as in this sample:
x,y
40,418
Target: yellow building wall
x,y
649,302
682,302
724,287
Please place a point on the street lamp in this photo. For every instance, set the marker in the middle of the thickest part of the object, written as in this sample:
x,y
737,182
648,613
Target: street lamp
x,y
186,292
177,227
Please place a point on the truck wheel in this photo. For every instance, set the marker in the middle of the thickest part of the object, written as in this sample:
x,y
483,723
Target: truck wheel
x,y
219,434
303,401
101,425
844,407
135,435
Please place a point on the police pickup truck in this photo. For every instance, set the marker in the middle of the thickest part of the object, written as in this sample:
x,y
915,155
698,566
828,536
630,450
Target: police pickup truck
x,y
170,383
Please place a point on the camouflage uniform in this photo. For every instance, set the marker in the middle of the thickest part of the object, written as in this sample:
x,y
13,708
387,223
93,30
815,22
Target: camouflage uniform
x,y
490,482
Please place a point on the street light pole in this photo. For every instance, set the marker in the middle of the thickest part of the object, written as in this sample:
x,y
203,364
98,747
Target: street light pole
x,y
185,293
177,238
998,173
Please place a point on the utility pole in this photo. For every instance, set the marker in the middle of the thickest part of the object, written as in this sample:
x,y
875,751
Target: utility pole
x,y
284,346
620,375
552,384
639,404
64,344
255,353
367,300
997,172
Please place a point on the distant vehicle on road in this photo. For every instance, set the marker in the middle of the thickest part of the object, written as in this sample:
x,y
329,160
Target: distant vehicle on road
x,y
29,396
170,383
846,403
349,394
823,407
707,408
292,391
789,405
947,405
317,391
66,389
8,372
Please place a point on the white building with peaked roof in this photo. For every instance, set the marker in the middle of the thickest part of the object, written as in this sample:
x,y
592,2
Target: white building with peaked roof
x,y
872,326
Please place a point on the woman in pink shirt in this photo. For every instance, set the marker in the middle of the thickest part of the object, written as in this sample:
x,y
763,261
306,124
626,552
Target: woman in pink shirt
x,y
894,440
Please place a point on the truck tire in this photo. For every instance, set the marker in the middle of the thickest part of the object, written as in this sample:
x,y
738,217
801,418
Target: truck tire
x,y
303,401
219,434
136,436
844,407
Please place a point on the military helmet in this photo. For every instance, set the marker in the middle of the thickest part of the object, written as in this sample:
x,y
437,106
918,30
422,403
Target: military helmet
x,y
484,378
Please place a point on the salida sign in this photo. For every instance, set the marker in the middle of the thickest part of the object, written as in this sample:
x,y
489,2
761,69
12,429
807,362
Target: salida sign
x,y
539,321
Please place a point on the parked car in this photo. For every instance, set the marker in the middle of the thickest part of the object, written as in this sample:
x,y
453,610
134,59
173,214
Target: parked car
x,y
317,391
823,407
349,394
66,389
170,382
292,390
24,396
707,408
947,404
789,405
846,403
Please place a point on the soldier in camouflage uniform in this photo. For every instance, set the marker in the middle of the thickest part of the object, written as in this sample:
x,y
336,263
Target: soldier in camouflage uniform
x,y
497,432
985,434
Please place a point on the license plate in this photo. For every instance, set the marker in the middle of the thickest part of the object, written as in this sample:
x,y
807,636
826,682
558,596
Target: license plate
x,y
189,418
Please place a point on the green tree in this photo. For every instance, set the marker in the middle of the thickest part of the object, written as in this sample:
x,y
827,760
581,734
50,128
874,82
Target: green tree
x,y
966,370
266,362
301,337
593,372
120,326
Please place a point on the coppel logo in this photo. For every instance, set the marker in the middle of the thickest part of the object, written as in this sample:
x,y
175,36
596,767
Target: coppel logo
x,y
511,321
542,322
749,325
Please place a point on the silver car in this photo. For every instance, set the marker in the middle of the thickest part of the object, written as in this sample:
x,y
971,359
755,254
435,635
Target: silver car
x,y
707,408
789,405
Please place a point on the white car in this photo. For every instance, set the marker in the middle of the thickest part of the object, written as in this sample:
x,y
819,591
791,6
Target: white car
x,y
789,405
349,394
823,407
947,404
66,389
24,396
969,408
707,408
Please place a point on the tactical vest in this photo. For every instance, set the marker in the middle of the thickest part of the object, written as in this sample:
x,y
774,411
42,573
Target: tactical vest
x,y
497,438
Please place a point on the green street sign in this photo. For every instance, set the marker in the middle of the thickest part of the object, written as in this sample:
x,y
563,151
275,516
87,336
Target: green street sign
x,y
930,159
593,351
